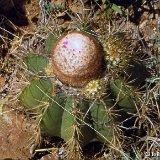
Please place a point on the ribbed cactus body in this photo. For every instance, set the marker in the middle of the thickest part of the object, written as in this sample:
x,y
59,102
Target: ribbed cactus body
x,y
123,95
35,63
65,119
51,120
35,94
103,122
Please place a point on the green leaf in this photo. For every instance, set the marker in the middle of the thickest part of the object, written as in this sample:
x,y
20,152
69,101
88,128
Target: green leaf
x,y
35,63
51,40
36,93
116,8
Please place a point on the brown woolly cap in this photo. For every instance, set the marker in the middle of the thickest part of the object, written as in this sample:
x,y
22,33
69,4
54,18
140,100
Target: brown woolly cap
x,y
77,58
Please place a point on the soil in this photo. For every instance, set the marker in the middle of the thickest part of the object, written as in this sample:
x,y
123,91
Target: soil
x,y
15,134
16,130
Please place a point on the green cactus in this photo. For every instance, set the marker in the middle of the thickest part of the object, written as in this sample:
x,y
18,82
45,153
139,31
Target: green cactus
x,y
61,116
64,118
84,120
36,93
103,121
36,63
122,93
51,119
90,115
50,41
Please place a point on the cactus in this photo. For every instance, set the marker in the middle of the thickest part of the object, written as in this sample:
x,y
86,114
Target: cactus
x,y
89,114
36,93
94,89
61,117
35,63
103,121
64,118
122,94
57,118
50,123
117,50
50,41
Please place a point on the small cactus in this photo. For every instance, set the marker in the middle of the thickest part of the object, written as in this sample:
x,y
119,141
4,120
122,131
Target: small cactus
x,y
94,89
117,50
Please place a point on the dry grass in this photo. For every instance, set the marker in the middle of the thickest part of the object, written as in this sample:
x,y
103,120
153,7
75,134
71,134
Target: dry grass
x,y
144,139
